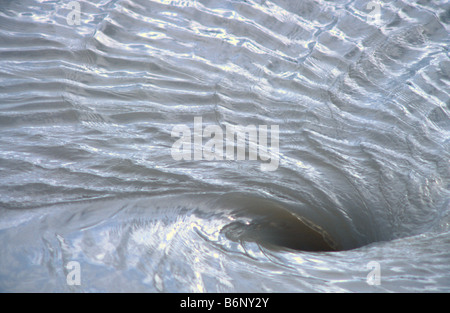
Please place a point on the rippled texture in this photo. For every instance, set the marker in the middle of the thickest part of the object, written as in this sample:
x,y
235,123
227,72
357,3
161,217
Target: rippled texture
x,y
86,115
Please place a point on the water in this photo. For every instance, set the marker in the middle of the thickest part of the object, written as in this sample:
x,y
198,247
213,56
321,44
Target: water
x,y
359,200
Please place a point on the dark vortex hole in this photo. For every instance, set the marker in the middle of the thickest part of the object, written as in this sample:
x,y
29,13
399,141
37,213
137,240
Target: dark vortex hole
x,y
281,230
273,235
273,225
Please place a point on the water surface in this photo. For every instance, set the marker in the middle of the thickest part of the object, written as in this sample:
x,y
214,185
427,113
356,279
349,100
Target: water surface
x,y
86,114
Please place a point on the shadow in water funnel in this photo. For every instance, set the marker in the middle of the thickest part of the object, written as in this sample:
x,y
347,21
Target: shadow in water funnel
x,y
271,225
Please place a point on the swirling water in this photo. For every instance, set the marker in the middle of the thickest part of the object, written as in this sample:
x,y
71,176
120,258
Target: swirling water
x,y
89,100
